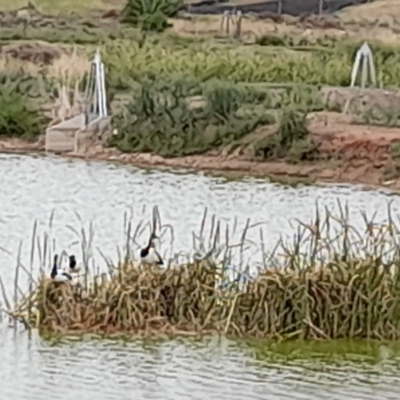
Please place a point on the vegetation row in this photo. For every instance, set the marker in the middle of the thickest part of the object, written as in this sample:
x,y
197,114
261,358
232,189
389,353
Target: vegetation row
x,y
332,281
185,116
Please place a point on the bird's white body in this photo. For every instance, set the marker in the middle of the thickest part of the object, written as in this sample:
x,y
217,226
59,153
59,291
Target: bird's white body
x,y
152,257
58,275
61,277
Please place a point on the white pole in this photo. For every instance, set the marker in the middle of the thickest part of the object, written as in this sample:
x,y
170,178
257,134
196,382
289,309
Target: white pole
x,y
92,91
356,65
372,70
95,94
103,89
98,84
364,71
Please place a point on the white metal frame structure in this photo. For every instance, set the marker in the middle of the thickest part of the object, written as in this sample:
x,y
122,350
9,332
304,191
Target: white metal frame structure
x,y
364,58
95,94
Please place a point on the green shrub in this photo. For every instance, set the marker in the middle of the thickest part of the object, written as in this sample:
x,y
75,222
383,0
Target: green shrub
x,y
17,118
292,140
150,15
168,122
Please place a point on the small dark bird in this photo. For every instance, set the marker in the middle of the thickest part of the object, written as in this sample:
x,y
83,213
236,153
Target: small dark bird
x,y
73,268
59,276
149,254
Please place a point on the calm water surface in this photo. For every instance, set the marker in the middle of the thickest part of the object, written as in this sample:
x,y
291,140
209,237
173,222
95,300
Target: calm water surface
x,y
99,193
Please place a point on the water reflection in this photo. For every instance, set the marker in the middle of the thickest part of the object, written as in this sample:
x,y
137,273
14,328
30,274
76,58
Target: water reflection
x,y
101,193
37,369
216,368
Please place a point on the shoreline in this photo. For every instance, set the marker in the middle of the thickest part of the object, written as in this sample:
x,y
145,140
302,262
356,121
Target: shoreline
x,y
230,167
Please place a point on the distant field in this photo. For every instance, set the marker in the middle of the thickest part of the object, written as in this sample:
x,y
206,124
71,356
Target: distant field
x,y
63,6
378,9
83,6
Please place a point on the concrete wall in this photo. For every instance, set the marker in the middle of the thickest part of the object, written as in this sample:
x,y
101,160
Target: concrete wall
x,y
73,136
60,141
97,131
60,138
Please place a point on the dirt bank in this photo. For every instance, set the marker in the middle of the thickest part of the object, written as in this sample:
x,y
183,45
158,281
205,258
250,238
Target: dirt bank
x,y
356,154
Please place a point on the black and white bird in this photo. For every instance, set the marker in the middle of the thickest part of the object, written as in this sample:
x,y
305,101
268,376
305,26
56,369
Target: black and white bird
x,y
149,254
57,275
73,267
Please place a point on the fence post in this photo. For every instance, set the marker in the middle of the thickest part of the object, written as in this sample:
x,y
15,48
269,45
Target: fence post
x,y
225,20
320,6
238,31
280,7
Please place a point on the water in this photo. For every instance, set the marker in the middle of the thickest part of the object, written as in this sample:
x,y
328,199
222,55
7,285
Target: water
x,y
33,368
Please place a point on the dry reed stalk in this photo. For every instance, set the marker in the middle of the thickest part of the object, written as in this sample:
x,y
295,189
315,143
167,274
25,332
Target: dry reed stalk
x,y
69,70
332,281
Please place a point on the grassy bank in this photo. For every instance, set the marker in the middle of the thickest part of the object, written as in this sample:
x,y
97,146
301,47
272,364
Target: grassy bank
x,y
331,282
187,117
255,64
269,58
178,94
273,59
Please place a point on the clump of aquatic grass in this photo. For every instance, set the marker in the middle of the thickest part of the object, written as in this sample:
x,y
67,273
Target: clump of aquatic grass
x,y
333,280
136,300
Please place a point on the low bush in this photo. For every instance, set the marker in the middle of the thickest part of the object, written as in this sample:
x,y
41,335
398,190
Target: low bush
x,y
17,116
292,140
150,15
168,122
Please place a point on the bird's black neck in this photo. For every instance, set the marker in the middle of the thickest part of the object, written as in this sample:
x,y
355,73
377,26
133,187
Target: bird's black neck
x,y
145,251
54,269
72,263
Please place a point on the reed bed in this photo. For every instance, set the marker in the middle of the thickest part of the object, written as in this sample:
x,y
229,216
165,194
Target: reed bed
x,y
331,280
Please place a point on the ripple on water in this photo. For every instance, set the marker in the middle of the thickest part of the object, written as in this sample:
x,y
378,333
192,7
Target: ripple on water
x,y
33,369
37,369
33,187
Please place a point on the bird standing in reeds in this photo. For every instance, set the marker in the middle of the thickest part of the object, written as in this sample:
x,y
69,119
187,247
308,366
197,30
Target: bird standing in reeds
x,y
149,254
73,267
59,276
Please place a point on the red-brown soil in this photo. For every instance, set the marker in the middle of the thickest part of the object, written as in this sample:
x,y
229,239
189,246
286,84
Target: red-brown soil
x,y
357,154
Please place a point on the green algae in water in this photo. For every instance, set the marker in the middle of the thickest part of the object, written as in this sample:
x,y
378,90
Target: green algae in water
x,y
363,351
